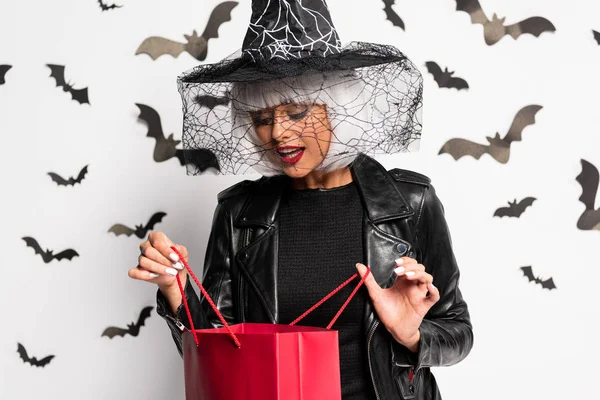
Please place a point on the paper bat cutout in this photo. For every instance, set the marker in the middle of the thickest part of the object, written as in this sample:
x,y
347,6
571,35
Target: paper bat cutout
x,y
498,148
106,7
588,179
596,36
140,230
211,101
165,148
32,360
58,73
133,329
444,78
71,181
48,255
3,70
547,284
495,29
197,46
391,15
514,209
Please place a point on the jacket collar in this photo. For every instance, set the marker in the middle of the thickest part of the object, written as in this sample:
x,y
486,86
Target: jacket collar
x,y
379,193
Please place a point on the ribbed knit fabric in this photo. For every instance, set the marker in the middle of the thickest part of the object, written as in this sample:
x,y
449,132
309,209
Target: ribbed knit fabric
x,y
320,242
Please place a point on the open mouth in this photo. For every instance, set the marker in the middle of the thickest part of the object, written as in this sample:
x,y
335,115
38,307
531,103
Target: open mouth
x,y
290,154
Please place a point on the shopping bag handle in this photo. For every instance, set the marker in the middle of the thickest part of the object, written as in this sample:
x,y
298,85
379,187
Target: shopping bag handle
x,y
206,296
334,291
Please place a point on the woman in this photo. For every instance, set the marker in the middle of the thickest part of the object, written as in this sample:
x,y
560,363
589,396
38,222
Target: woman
x,y
323,208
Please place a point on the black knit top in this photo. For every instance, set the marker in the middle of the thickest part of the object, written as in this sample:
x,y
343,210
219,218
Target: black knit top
x,y
320,242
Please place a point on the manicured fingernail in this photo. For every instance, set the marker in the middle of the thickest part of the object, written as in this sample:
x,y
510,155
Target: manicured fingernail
x,y
153,275
174,257
171,271
178,265
409,273
399,270
431,283
399,261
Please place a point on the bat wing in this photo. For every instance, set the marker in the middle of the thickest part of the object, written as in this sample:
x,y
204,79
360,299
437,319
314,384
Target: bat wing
x,y
22,353
523,204
156,46
144,315
504,212
391,15
3,70
211,101
548,284
43,361
113,331
58,179
434,69
151,117
68,254
31,242
80,95
588,179
473,8
524,118
528,272
596,37
82,174
155,219
219,15
119,229
534,26
58,73
458,83
458,148
201,159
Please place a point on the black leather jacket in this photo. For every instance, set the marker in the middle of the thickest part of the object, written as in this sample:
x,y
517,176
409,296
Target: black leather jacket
x,y
402,216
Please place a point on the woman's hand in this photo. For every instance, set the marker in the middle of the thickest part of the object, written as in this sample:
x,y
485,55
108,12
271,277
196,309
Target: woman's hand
x,y
401,308
158,264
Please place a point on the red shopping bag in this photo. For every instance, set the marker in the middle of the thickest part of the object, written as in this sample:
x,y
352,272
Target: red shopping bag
x,y
251,361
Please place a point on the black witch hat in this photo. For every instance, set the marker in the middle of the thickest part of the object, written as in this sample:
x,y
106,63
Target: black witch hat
x,y
373,91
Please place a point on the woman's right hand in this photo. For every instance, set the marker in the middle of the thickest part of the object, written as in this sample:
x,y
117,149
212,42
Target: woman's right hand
x,y
159,264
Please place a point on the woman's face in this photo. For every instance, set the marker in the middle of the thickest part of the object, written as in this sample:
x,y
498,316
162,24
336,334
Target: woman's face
x,y
295,136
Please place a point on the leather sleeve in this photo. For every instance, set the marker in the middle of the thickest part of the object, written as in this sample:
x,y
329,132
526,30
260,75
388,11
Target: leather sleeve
x,y
216,281
446,330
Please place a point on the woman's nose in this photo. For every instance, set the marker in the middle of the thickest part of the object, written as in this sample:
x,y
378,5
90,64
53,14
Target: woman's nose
x,y
281,125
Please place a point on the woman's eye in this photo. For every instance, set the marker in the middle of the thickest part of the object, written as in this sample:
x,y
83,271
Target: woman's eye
x,y
262,118
297,111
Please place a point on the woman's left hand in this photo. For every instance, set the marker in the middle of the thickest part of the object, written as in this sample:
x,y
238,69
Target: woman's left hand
x,y
401,308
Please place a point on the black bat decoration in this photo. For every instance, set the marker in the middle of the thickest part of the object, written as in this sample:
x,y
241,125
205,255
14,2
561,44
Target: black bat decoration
x,y
494,29
546,284
211,101
48,255
197,46
32,360
3,70
589,179
165,148
58,73
444,78
391,15
140,230
106,7
514,209
71,181
596,36
133,329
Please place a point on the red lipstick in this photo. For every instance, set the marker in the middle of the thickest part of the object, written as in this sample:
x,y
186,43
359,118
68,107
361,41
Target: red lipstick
x,y
290,154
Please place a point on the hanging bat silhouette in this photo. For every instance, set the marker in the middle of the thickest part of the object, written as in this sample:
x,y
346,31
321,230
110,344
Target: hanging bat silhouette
x,y
71,181
48,255
494,29
391,15
106,7
546,284
514,209
197,46
133,329
444,78
588,179
596,36
3,70
211,101
499,148
58,73
140,230
32,360
165,148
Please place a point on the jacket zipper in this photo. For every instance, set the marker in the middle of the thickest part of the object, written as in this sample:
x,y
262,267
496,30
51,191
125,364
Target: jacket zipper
x,y
246,242
177,323
371,332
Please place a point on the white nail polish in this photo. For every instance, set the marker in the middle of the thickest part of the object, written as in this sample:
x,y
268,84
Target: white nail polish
x,y
409,273
431,283
399,261
171,271
399,270
178,265
174,257
153,275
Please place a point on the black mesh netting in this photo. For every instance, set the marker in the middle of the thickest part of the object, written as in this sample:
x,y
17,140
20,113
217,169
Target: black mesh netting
x,y
371,96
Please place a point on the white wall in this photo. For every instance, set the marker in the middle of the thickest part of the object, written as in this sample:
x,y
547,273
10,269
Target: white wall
x,y
529,342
